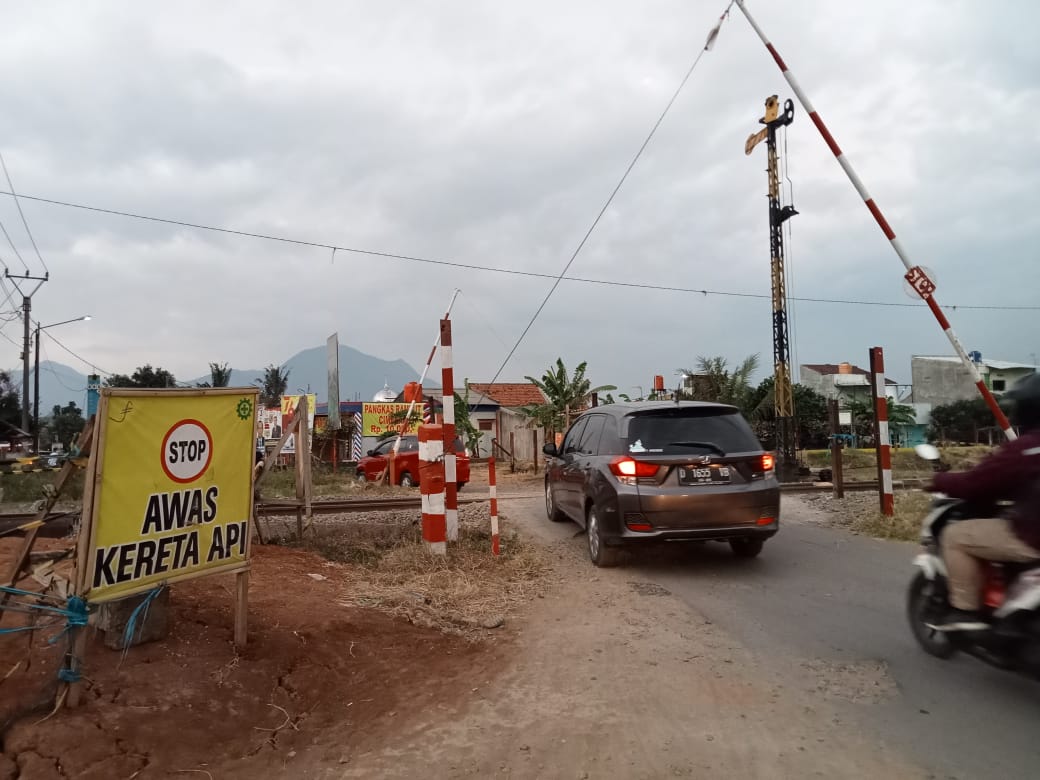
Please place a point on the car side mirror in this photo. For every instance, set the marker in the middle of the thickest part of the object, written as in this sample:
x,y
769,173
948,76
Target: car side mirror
x,y
550,450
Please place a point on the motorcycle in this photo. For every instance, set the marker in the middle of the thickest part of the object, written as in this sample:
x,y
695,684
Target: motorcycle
x,y
1011,597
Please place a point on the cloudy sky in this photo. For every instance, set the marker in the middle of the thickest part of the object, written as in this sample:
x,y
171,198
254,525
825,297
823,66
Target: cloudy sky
x,y
492,134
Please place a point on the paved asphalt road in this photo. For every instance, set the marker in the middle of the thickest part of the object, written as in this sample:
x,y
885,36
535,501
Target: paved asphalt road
x,y
818,593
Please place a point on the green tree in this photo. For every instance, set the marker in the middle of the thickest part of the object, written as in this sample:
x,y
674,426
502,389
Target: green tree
x,y
713,381
567,396
10,403
143,376
470,433
65,423
272,385
960,421
810,413
219,376
899,415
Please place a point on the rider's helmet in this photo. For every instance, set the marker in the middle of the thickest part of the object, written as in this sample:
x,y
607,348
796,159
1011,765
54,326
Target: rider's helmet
x,y
1025,402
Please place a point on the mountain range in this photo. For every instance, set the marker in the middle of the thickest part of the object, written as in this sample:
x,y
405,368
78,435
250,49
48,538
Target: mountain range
x,y
360,377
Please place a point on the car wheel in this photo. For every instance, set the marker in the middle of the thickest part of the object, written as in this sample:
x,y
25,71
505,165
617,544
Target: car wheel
x,y
406,480
923,606
361,477
746,548
600,554
553,513
461,485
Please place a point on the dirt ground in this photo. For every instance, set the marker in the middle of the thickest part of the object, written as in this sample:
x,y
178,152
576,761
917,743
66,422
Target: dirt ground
x,y
317,682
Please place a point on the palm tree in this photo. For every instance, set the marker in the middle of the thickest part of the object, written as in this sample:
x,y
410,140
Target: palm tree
x,y
715,382
220,375
272,385
899,415
567,396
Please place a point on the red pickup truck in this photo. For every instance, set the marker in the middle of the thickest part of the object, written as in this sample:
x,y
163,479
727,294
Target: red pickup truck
x,y
407,463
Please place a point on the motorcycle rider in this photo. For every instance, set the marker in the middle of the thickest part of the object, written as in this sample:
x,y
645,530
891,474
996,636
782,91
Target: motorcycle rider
x,y
1012,473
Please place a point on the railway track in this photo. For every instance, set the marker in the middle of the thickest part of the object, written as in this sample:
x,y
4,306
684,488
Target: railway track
x,y
60,523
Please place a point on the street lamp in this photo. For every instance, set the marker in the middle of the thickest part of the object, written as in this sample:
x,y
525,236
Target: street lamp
x,y
36,377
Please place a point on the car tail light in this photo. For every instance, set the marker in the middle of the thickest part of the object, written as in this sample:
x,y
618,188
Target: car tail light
x,y
630,467
766,521
768,462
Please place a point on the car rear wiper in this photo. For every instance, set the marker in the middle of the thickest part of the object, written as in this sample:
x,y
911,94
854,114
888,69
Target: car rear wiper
x,y
705,444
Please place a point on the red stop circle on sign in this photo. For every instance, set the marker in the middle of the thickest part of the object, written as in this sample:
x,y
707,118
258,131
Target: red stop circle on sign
x,y
186,452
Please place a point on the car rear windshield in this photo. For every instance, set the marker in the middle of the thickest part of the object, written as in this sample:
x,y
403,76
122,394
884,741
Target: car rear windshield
x,y
690,430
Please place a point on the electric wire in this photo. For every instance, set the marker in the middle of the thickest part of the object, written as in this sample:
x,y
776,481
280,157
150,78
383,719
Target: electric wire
x,y
21,213
75,355
493,269
50,369
13,247
614,192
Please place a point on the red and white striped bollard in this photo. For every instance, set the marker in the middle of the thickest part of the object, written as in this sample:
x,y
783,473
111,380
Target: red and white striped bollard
x,y
493,494
431,488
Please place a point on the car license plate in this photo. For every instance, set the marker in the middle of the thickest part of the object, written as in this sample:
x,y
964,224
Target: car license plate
x,y
704,475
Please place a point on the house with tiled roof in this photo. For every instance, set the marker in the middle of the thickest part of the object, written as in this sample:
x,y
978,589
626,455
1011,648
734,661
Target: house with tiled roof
x,y
512,395
495,410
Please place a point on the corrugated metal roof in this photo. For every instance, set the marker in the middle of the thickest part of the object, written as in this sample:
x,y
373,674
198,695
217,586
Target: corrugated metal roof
x,y
999,365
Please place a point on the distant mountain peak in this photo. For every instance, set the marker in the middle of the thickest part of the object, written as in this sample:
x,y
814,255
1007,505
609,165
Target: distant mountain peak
x,y
361,376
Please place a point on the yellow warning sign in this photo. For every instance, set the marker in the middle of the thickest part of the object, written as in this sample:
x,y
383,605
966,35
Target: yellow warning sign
x,y
173,488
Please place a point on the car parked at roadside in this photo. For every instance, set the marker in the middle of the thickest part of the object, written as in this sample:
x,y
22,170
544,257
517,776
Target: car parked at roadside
x,y
407,462
632,473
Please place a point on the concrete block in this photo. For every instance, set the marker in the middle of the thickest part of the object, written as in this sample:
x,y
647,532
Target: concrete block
x,y
151,626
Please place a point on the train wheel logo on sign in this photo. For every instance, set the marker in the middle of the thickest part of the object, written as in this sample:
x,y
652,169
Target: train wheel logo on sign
x,y
187,450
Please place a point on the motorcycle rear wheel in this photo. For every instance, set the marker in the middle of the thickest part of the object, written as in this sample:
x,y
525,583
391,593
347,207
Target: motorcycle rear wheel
x,y
921,609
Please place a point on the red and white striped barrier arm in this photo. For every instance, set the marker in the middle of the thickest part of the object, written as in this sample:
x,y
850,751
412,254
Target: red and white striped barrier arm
x,y
493,494
422,377
431,488
451,485
915,275
877,372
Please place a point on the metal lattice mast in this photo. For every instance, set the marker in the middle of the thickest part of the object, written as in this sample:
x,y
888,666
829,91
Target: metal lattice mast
x,y
783,393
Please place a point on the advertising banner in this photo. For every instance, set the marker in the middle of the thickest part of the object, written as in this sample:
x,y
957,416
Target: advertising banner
x,y
174,488
377,419
288,410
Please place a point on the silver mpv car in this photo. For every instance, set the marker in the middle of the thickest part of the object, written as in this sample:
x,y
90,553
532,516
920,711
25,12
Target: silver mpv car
x,y
663,471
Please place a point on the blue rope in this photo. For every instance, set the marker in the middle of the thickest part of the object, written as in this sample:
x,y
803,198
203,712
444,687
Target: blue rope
x,y
140,611
76,613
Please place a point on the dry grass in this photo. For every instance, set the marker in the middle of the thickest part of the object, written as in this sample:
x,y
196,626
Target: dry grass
x,y
281,483
860,513
862,463
905,526
386,567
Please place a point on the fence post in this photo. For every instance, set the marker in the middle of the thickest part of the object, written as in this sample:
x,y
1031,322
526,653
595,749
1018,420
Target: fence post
x,y
431,488
493,494
837,477
512,453
882,442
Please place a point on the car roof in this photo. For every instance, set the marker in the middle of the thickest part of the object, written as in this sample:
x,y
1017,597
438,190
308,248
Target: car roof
x,y
622,408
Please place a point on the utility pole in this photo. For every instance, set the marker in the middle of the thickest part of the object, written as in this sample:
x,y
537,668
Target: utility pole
x,y
783,393
27,315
